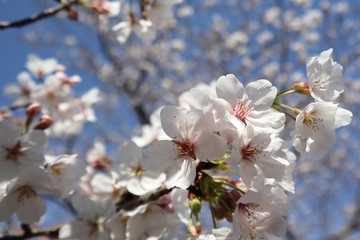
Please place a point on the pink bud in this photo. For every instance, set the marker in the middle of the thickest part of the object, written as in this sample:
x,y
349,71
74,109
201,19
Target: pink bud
x,y
33,109
302,87
45,122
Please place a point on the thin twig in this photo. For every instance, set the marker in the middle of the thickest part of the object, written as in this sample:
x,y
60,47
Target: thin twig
x,y
44,14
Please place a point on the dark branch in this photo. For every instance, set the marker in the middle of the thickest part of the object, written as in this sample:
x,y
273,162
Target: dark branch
x,y
28,234
44,14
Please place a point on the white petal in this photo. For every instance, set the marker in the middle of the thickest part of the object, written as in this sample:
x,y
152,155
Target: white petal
x,y
84,206
267,121
145,183
229,88
197,99
36,138
30,210
11,131
181,174
171,120
160,155
274,228
130,153
261,94
210,146
343,117
221,108
198,122
8,206
235,157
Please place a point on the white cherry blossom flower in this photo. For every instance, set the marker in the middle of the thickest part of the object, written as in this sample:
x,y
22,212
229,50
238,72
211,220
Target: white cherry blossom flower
x,y
91,220
253,151
19,151
97,156
192,140
40,67
315,127
159,220
65,170
131,174
72,114
257,219
21,196
324,77
247,106
51,93
23,91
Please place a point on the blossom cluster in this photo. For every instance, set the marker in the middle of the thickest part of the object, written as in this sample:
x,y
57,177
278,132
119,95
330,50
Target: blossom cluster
x,y
47,84
223,144
155,15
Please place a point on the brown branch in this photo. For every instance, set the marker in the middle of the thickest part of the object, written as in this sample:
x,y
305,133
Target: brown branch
x,y
28,234
44,14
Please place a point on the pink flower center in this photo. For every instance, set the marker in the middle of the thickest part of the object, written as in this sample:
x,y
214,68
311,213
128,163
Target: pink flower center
x,y
249,152
185,147
252,153
240,111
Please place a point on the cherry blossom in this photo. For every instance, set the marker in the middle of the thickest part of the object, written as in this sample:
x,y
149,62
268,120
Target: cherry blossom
x,y
257,219
91,219
21,92
19,151
65,170
257,150
324,77
315,127
21,195
40,67
132,175
247,106
191,141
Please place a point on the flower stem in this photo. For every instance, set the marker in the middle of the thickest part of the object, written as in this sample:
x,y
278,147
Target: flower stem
x,y
212,213
287,91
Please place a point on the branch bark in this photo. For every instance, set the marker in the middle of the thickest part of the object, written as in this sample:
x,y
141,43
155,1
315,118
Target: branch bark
x,y
42,15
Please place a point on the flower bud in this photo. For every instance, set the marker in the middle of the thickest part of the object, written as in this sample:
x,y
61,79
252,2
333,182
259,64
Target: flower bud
x,y
44,122
194,204
33,109
302,87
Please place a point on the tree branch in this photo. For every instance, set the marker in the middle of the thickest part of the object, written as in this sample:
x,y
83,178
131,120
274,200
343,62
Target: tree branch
x,y
28,234
44,14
